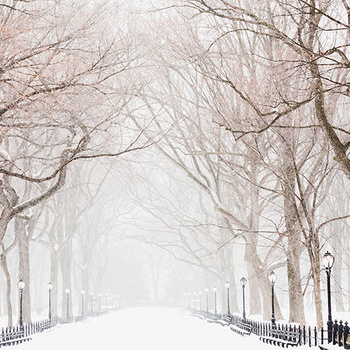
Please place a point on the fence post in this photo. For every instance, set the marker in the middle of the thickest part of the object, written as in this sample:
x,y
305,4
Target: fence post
x,y
346,333
340,332
335,331
315,333
309,336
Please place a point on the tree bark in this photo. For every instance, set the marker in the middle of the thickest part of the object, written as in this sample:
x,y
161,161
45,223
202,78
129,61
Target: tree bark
x,y
293,251
24,266
54,256
8,287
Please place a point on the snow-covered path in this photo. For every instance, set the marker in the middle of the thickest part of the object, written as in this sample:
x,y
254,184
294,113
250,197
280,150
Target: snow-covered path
x,y
147,328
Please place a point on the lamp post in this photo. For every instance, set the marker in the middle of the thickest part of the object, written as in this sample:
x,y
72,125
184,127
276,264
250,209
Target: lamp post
x,y
215,309
243,283
272,279
21,286
49,287
91,295
227,285
82,302
328,261
207,299
67,294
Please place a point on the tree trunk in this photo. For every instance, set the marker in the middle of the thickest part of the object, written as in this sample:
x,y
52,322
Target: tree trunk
x,y
254,293
317,294
66,262
256,265
24,267
54,280
8,289
296,299
337,272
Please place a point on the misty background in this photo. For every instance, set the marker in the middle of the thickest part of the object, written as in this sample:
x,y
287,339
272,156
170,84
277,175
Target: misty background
x,y
154,149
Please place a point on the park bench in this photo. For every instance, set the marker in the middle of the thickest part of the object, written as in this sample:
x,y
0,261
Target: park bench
x,y
13,336
281,337
212,318
224,320
45,326
241,327
198,314
331,346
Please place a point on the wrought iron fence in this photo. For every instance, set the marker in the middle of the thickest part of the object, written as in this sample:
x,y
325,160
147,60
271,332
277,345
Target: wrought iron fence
x,y
17,334
282,334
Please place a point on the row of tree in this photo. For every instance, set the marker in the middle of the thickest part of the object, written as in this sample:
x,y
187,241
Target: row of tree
x,y
251,102
244,105
65,77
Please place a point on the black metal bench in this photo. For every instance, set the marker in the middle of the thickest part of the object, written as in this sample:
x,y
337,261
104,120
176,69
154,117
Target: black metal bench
x,y
281,337
241,327
199,315
224,320
13,337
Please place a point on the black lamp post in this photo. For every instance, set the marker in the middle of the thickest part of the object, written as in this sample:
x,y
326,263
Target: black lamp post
x,y
82,302
207,299
227,285
215,309
272,279
67,294
49,287
243,283
328,261
21,286
91,306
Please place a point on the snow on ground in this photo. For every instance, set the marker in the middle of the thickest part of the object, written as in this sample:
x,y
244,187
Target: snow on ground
x,y
144,328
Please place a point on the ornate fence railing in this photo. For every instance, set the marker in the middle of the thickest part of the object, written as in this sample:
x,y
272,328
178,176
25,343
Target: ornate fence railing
x,y
17,334
282,334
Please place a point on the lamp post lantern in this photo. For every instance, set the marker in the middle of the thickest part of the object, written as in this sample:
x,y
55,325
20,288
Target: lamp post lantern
x,y
67,294
272,279
215,309
82,302
227,285
207,299
49,287
243,283
21,286
328,261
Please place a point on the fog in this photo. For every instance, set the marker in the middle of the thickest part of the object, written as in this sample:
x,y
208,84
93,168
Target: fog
x,y
153,150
